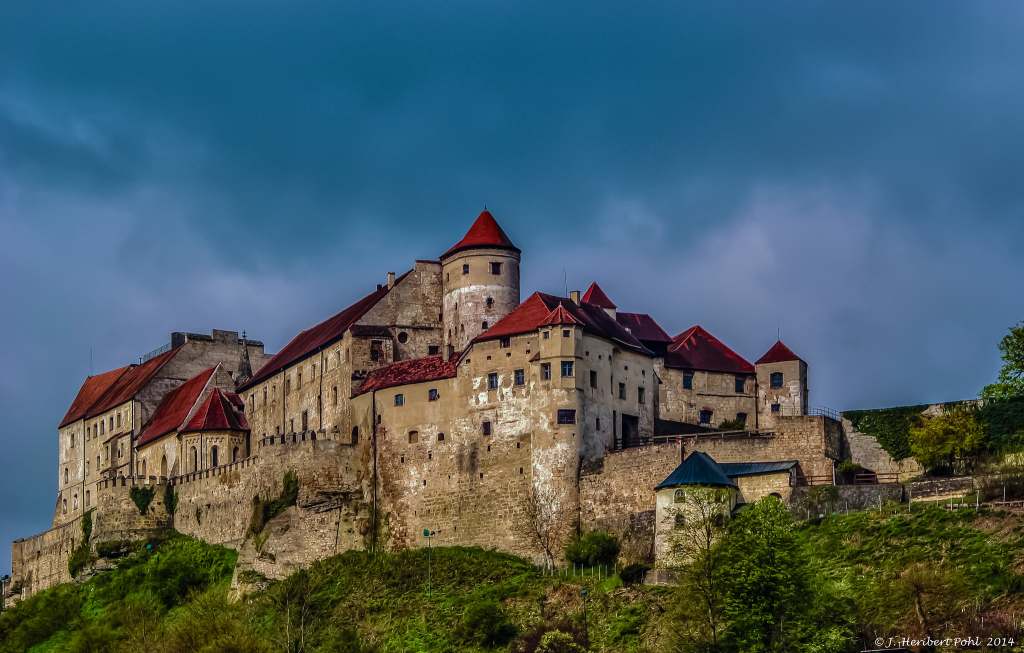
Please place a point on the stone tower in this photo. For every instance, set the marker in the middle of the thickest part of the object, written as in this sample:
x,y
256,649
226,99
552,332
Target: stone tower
x,y
781,385
480,278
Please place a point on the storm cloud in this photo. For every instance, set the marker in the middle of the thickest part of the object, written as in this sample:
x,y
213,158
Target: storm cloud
x,y
847,175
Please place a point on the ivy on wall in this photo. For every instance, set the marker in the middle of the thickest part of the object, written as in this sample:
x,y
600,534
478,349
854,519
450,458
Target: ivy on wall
x,y
142,496
890,426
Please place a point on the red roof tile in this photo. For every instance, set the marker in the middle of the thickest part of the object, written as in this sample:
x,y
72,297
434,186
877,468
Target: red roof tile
x,y
559,316
417,370
485,232
532,313
131,382
92,389
643,327
778,353
597,297
317,337
696,349
218,413
175,407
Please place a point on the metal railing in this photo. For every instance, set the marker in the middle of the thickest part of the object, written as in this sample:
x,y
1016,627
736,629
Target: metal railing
x,y
824,411
153,354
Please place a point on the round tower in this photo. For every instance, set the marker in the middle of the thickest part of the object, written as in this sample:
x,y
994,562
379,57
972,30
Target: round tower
x,y
480,281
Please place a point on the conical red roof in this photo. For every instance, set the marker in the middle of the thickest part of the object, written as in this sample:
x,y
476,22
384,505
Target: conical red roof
x,y
559,316
779,353
485,232
597,297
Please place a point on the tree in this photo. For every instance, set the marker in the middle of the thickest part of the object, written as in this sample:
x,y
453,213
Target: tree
x,y
950,441
542,519
1011,375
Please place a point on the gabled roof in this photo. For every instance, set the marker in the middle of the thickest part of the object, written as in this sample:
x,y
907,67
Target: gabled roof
x,y
698,469
597,297
643,327
220,412
532,313
735,470
417,370
175,407
92,389
131,382
484,232
779,353
558,317
318,336
696,349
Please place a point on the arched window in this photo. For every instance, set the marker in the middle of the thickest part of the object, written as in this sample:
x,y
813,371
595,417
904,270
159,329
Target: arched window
x,y
355,435
88,498
75,502
65,476
213,456
143,466
64,506
679,495
163,465
234,455
195,460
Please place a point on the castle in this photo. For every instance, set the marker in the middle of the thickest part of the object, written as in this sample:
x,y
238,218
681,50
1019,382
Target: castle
x,y
441,401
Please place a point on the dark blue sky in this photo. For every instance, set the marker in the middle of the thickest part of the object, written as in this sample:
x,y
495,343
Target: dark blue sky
x,y
849,174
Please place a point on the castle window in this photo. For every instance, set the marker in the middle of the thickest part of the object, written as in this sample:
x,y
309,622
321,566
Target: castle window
x,y
519,377
97,464
741,418
403,337
597,423
102,428
287,384
414,437
485,427
741,383
71,440
399,399
566,416
291,424
433,350
376,350
495,267
213,457
88,498
195,460
440,437
483,325
334,396
87,468
705,416
489,302
505,342
566,333
465,268
679,495
593,379
640,395
234,455
75,504
252,403
433,394
298,380
119,420
430,455
776,408
492,381
546,335
567,368
111,422
622,391
776,379
545,371
64,506
687,380
264,395
65,476
355,435
305,420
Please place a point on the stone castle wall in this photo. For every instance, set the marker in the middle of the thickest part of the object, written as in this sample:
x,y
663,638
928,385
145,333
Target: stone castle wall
x,y
865,450
41,561
118,518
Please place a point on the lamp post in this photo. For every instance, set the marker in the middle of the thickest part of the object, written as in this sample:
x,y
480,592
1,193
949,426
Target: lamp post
x,y
427,533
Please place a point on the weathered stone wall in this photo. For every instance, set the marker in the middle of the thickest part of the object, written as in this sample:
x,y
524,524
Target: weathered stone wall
x,y
791,398
865,450
753,488
712,391
118,518
465,306
806,501
41,561
940,488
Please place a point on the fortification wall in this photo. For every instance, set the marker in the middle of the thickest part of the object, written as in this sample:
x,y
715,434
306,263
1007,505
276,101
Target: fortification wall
x,y
41,561
618,496
865,450
117,517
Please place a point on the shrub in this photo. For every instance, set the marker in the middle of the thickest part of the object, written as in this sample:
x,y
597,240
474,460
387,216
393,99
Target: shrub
x,y
170,499
950,441
113,548
533,640
82,554
262,512
485,623
890,426
592,549
141,497
555,641
634,573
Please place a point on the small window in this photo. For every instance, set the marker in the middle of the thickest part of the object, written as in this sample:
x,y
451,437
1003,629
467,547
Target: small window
x,y
641,395
485,427
403,337
520,377
88,498
213,457
566,333
355,435
65,476
741,383
483,325
776,408
376,350
567,368
119,420
489,302
776,379
305,420
434,350
440,437
545,371
741,418
465,268
687,380
505,342
492,381
593,379
566,416
298,380
334,395
495,267
546,335
705,416
433,394
399,399
414,437
622,391
597,423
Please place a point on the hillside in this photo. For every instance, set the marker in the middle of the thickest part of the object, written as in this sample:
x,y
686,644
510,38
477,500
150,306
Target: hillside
x,y
880,573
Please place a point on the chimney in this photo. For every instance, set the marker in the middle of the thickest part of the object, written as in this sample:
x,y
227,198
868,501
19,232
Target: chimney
x,y
391,279
574,295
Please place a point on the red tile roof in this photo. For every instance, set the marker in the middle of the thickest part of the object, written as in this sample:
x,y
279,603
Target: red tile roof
x,y
219,412
131,382
778,353
597,297
696,349
559,316
92,389
175,407
317,337
417,370
532,313
643,327
485,232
